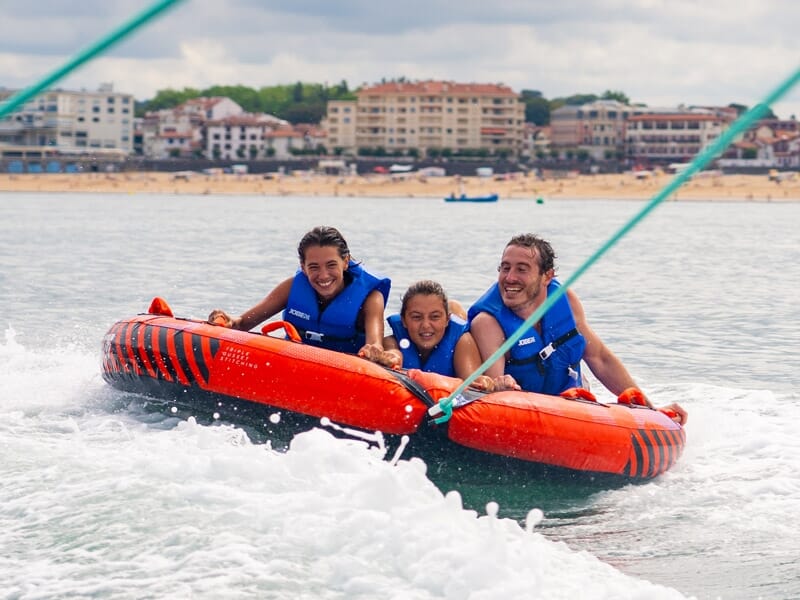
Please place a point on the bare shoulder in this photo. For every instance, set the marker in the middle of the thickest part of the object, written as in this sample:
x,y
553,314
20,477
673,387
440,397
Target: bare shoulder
x,y
481,320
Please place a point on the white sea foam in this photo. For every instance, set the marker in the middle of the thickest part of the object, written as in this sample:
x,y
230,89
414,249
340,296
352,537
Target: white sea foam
x,y
105,504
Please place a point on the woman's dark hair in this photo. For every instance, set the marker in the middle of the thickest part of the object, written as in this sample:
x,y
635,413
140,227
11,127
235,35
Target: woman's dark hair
x,y
323,236
425,288
547,257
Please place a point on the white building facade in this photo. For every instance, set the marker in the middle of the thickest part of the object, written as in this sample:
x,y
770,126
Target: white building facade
x,y
72,122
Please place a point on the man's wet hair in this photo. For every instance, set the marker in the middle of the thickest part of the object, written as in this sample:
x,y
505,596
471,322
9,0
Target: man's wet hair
x,y
547,257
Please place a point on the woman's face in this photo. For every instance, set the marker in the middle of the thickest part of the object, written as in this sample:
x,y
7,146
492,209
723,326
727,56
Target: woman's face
x,y
325,270
425,319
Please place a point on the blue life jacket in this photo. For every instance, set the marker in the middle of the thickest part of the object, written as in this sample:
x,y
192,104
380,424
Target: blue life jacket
x,y
441,358
336,327
548,363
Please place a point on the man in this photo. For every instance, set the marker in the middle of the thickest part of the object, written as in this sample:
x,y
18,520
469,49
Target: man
x,y
547,358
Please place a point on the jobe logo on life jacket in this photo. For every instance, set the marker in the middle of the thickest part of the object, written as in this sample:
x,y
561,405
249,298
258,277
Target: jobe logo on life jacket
x,y
526,341
301,315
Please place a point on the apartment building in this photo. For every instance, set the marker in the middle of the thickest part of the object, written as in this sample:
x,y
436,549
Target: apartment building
x,y
427,117
596,128
288,141
673,137
236,137
340,123
72,122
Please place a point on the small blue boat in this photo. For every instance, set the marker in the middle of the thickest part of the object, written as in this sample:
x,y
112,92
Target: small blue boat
x,y
465,198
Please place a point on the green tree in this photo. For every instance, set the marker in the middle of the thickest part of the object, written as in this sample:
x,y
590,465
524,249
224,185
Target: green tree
x,y
615,95
244,96
297,92
577,99
304,112
168,98
537,110
741,109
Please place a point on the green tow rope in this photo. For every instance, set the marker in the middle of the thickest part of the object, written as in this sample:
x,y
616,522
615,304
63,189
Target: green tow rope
x,y
443,410
100,46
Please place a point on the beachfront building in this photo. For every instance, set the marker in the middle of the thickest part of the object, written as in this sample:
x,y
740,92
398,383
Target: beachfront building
x,y
237,137
428,118
74,123
212,127
340,125
593,130
169,133
537,143
771,143
673,137
179,132
291,141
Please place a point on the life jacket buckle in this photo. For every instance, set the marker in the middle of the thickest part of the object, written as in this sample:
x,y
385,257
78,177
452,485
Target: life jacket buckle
x,y
545,352
314,336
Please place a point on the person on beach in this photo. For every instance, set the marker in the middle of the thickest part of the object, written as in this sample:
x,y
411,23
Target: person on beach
x,y
430,333
547,358
331,300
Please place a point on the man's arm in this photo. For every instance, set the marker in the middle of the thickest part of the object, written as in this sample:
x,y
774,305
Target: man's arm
x,y
603,363
489,336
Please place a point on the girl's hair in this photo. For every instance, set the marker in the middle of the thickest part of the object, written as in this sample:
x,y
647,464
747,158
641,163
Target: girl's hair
x,y
426,288
545,251
323,236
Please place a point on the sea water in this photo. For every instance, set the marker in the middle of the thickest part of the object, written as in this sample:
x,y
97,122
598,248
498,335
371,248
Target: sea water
x,y
103,497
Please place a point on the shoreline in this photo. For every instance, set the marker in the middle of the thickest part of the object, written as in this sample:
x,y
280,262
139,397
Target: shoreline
x,y
702,187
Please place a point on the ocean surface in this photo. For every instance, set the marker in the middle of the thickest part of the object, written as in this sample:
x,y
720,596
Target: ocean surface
x,y
104,497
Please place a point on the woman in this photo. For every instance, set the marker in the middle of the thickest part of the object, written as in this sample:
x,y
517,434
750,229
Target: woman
x,y
428,336
331,300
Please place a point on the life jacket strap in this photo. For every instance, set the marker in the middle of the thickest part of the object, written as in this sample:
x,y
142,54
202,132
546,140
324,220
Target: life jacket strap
x,y
315,336
545,352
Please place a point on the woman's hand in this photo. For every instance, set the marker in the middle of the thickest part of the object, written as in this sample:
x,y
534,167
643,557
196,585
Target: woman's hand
x,y
388,358
221,318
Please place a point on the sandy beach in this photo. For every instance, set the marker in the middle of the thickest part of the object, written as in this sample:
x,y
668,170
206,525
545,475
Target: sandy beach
x,y
757,188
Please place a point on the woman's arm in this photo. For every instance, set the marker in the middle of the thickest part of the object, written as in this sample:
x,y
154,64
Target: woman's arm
x,y
373,318
272,304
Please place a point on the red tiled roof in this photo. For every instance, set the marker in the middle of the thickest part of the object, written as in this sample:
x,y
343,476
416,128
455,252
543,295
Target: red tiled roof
x,y
283,133
673,117
440,88
238,120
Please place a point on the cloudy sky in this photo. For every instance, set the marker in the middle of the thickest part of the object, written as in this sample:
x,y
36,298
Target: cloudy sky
x,y
660,52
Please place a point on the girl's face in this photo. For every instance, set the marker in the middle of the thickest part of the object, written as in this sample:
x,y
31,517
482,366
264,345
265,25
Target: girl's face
x,y
425,319
325,270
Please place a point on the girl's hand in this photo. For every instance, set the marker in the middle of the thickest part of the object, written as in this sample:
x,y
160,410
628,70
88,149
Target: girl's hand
x,y
376,354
